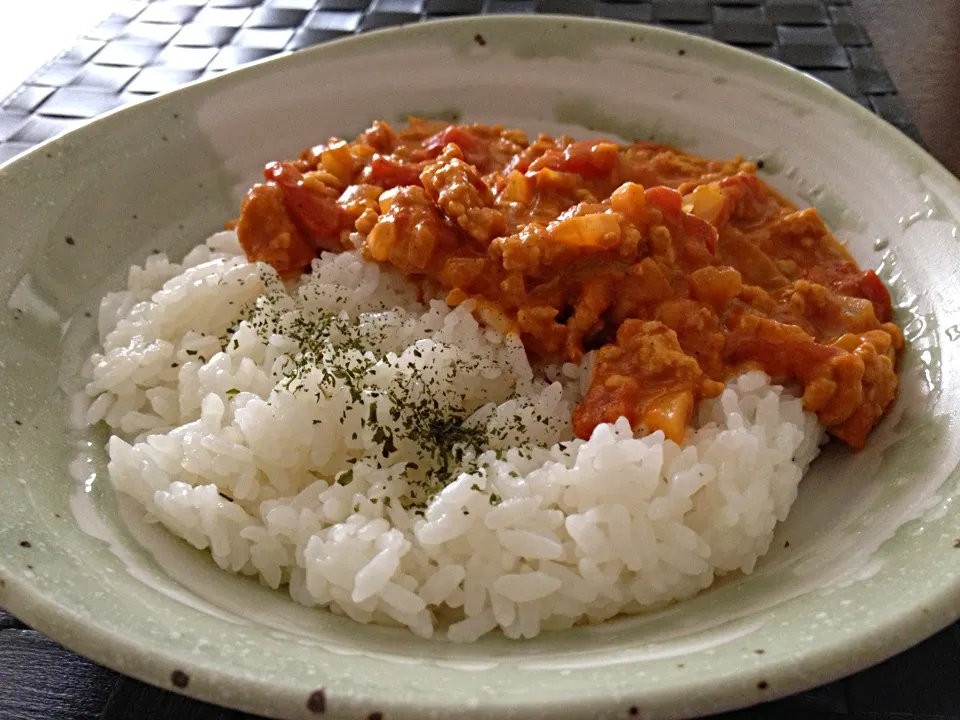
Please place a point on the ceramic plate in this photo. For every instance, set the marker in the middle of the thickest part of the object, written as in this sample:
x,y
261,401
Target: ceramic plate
x,y
867,564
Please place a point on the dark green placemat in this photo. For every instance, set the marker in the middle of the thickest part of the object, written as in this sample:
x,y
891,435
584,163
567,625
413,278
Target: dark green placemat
x,y
148,47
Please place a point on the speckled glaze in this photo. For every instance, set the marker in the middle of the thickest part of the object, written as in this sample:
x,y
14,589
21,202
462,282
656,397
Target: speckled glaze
x,y
867,564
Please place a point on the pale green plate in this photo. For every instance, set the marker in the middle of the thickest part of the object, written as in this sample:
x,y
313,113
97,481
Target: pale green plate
x,y
868,563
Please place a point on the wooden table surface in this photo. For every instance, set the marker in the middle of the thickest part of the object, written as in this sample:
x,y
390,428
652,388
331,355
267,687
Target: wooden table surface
x,y
919,42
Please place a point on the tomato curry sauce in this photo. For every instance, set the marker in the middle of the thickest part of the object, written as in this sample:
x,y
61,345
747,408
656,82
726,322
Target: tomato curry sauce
x,y
681,272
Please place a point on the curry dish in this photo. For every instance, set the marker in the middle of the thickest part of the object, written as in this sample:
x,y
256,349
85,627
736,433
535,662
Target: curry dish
x,y
681,272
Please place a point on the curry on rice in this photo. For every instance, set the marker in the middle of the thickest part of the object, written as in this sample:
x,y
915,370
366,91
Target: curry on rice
x,y
680,271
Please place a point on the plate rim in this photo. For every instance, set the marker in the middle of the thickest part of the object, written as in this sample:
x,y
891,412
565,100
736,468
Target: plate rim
x,y
823,665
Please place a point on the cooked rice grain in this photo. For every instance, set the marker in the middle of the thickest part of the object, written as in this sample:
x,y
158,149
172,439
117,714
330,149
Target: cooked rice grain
x,y
291,432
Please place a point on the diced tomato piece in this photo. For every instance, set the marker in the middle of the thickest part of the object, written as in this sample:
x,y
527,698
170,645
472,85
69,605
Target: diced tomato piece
x,y
670,203
389,174
702,231
267,233
605,405
590,158
475,150
750,184
587,158
781,359
459,136
664,198
284,174
871,288
316,214
847,279
520,163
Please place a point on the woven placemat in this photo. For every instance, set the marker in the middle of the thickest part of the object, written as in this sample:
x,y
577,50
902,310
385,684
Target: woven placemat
x,y
147,47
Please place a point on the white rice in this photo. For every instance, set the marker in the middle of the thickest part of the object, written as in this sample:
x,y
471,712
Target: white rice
x,y
540,531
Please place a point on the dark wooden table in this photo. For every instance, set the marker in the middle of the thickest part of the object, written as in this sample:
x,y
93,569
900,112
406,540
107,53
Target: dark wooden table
x,y
918,42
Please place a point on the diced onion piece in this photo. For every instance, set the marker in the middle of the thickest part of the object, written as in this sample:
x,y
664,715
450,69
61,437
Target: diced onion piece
x,y
517,188
387,198
382,239
493,316
630,201
320,180
600,230
548,179
338,161
671,414
706,202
